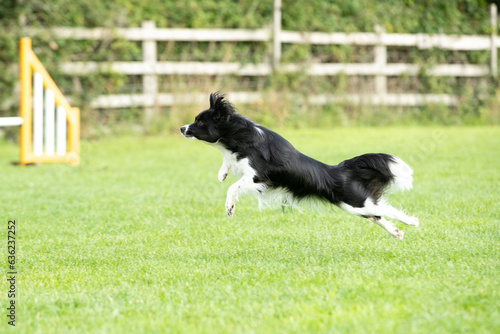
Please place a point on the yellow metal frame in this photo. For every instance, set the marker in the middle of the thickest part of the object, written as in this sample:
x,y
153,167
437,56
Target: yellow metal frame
x,y
28,62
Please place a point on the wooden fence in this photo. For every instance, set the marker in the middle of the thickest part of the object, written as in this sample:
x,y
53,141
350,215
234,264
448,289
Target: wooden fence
x,y
149,68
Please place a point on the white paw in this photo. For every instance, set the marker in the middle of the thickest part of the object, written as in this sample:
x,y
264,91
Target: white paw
x,y
230,208
399,234
222,175
413,221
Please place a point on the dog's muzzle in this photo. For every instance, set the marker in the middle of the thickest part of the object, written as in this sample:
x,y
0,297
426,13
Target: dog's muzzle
x,y
184,132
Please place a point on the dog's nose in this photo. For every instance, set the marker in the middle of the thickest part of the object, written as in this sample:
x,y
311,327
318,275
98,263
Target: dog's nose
x,y
183,130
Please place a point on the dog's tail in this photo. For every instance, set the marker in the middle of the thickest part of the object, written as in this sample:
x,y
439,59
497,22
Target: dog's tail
x,y
378,172
402,174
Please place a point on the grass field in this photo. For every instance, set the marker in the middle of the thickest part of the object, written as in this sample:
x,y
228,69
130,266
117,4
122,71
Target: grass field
x,y
135,240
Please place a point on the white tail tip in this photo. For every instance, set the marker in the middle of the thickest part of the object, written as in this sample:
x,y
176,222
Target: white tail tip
x,y
403,175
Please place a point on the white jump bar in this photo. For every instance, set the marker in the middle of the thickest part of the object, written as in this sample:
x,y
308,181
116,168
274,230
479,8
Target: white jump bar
x,y
49,122
37,114
11,121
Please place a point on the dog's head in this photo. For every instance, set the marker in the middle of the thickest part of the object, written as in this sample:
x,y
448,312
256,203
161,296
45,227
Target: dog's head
x,y
210,125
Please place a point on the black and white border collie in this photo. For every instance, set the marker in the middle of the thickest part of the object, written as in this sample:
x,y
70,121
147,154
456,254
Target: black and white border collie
x,y
270,168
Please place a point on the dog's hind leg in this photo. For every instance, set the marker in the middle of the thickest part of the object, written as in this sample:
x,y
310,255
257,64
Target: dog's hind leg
x,y
381,221
390,212
381,209
376,212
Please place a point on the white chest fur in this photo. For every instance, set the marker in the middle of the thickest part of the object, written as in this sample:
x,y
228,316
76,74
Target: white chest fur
x,y
239,168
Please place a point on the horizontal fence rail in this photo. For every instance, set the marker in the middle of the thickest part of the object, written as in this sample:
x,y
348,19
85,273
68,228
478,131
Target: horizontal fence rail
x,y
149,68
421,41
168,99
214,68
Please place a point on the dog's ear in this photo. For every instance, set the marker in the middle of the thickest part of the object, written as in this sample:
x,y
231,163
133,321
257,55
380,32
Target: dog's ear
x,y
222,108
215,100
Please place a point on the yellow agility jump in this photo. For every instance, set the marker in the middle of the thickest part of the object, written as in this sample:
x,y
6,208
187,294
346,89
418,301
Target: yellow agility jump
x,y
46,114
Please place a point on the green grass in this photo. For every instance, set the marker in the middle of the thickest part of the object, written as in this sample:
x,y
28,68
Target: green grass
x,y
135,239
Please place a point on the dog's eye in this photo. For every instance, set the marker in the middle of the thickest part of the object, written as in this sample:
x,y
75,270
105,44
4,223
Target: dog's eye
x,y
200,123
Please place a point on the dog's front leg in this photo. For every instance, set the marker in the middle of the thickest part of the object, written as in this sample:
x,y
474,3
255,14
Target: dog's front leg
x,y
223,171
232,196
243,185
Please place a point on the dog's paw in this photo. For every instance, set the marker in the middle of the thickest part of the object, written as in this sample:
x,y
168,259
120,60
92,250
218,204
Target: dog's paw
x,y
413,221
399,234
222,176
223,171
230,208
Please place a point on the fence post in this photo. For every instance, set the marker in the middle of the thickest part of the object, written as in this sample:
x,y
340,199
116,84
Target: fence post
x,y
493,36
150,80
380,62
276,34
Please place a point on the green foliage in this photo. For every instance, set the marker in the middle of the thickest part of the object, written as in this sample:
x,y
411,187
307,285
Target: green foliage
x,y
284,90
166,13
420,16
429,16
135,240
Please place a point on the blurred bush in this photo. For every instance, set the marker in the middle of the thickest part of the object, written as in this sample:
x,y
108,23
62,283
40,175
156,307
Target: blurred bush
x,y
409,16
